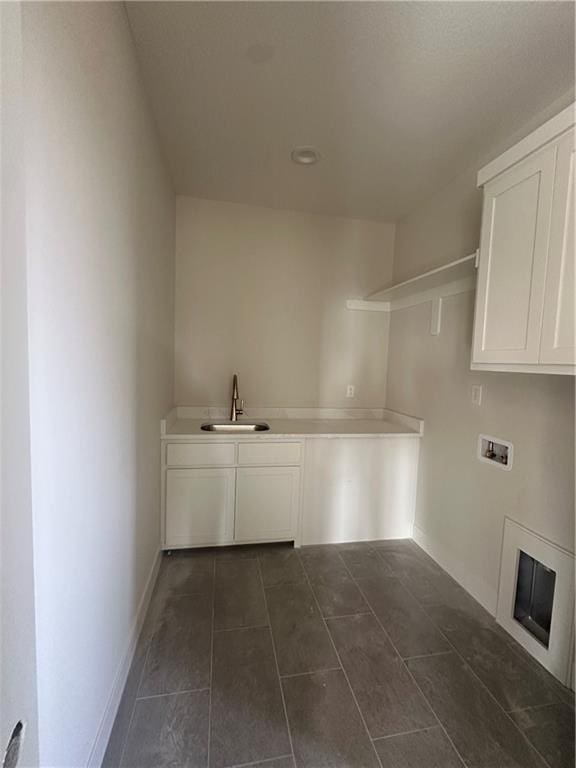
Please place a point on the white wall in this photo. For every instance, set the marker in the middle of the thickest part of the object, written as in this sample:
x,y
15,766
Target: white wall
x,y
446,226
462,502
262,293
441,230
17,616
100,255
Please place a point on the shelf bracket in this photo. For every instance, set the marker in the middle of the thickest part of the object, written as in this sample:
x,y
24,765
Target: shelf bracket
x,y
436,316
362,305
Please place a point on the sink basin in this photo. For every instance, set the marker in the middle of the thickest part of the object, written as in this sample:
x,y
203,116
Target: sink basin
x,y
235,426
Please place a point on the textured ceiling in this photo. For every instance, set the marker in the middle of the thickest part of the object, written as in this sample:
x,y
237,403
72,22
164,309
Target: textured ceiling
x,y
398,97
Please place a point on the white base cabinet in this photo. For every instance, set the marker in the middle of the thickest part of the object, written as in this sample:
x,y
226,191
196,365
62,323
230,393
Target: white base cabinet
x,y
255,498
246,490
267,502
201,506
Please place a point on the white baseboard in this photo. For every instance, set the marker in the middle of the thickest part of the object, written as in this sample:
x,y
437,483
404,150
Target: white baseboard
x,y
105,728
480,591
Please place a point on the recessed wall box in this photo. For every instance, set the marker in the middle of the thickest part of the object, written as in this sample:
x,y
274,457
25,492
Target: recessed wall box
x,y
536,598
495,451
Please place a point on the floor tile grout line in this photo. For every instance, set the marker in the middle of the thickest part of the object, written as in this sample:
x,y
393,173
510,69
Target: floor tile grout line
x,y
125,742
283,584
236,629
535,706
510,641
464,764
258,762
416,551
307,580
327,628
348,615
310,672
473,673
454,650
557,687
171,693
407,733
424,607
482,683
277,665
427,655
133,710
209,735
519,651
440,723
153,629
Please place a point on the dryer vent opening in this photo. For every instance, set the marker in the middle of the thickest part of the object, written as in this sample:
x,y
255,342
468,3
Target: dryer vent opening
x,y
534,597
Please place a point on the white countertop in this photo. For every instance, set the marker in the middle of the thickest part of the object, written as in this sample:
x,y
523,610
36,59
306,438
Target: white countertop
x,y
295,428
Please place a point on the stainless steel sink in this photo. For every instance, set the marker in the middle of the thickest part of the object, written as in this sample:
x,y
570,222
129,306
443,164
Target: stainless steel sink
x,y
235,426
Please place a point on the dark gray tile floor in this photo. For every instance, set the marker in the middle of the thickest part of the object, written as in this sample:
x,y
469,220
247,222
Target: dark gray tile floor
x,y
350,656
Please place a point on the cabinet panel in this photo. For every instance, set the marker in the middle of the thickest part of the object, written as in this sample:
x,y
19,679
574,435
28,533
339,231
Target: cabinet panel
x,y
269,453
266,503
558,331
359,489
200,454
513,254
199,506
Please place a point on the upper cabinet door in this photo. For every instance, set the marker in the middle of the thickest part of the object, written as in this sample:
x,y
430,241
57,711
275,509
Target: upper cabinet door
x,y
513,256
558,344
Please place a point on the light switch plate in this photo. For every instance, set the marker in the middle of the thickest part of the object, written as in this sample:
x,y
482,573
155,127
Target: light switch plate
x,y
476,394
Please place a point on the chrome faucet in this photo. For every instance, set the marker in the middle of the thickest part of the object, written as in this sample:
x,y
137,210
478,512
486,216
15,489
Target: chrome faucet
x,y
234,410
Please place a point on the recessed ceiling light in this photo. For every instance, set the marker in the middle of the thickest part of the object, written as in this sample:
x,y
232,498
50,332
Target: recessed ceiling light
x,y
305,155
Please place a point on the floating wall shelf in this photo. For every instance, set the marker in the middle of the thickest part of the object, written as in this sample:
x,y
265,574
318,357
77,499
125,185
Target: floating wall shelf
x,y
457,277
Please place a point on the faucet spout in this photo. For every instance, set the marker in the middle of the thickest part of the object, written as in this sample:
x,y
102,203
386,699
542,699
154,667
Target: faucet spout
x,y
234,410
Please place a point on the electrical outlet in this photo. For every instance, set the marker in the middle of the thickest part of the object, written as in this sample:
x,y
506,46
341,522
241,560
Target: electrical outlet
x,y
476,394
350,390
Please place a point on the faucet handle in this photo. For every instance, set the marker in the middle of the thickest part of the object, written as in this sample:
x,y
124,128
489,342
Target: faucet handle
x,y
241,409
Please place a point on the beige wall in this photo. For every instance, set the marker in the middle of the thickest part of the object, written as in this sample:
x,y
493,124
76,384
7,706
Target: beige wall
x,y
100,229
18,699
445,228
447,225
262,293
462,502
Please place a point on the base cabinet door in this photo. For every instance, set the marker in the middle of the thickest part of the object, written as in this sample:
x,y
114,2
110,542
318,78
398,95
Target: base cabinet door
x,y
199,507
266,503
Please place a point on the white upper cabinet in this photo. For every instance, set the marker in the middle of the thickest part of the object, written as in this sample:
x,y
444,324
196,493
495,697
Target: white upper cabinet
x,y
524,317
512,268
558,344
